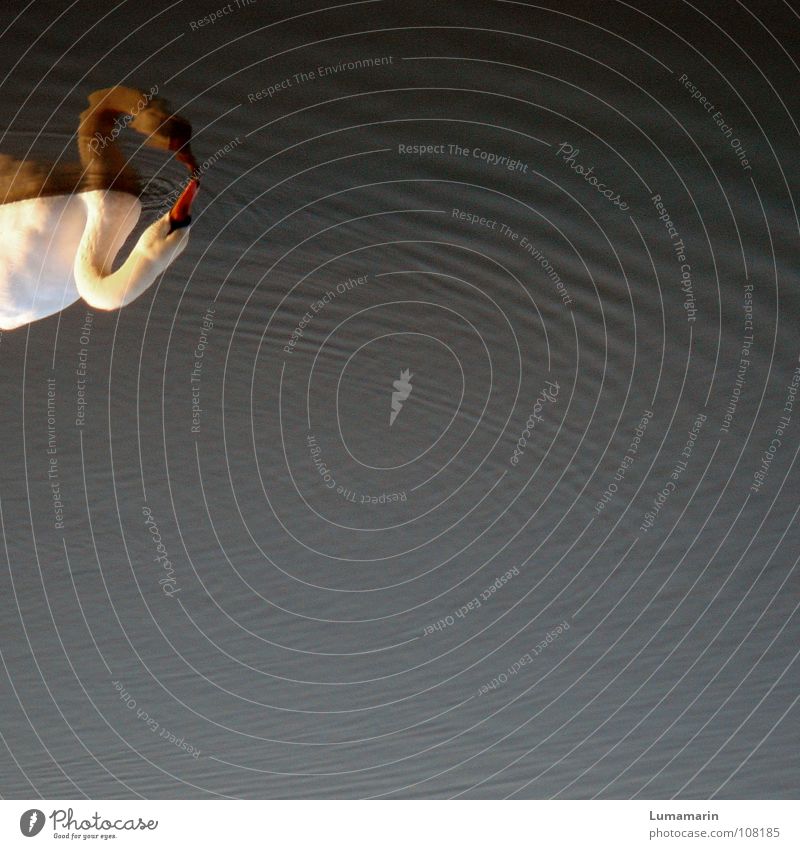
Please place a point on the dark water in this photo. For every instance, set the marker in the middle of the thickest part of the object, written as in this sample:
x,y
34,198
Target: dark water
x,y
349,608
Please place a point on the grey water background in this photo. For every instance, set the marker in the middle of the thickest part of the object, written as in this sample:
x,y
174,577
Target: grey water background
x,y
353,609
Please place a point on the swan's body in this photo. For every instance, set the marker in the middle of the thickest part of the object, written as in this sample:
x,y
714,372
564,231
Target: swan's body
x,y
42,237
32,279
57,248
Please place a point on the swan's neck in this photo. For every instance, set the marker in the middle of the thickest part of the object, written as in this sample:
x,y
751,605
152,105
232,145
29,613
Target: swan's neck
x,y
98,130
110,218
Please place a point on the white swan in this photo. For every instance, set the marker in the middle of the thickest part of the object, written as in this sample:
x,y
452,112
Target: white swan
x,y
61,228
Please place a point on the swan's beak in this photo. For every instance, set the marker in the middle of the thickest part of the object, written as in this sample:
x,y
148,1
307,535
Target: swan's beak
x,y
186,156
181,213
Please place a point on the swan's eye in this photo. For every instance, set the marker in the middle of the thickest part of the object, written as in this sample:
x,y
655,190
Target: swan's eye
x,y
177,224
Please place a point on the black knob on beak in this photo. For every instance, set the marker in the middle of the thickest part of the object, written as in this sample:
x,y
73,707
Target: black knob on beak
x,y
180,214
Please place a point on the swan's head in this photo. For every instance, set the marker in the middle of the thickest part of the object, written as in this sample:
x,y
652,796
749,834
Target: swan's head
x,y
165,130
160,245
111,110
163,241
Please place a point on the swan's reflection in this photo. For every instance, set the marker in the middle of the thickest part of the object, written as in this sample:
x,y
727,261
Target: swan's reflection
x,y
63,226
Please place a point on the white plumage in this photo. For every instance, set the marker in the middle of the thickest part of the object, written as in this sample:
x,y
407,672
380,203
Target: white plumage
x,y
61,243
41,237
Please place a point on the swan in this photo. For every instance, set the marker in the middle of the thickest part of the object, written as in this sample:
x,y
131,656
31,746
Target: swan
x,y
61,227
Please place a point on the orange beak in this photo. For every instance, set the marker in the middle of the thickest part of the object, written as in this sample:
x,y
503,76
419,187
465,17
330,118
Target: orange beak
x,y
185,156
181,213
